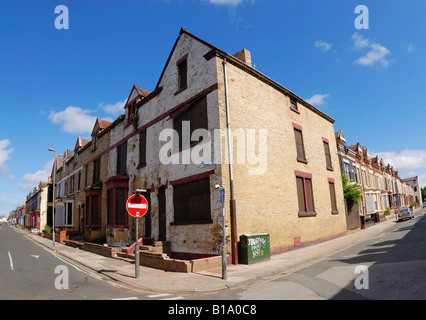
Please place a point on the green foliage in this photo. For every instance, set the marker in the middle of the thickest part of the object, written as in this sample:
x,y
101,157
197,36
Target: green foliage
x,y
351,191
47,229
424,193
387,211
413,204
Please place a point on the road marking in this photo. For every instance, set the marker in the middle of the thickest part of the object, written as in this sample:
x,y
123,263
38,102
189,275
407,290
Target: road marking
x,y
11,262
173,298
34,256
158,295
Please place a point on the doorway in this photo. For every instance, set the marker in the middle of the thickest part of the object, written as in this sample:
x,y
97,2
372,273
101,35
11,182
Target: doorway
x,y
162,214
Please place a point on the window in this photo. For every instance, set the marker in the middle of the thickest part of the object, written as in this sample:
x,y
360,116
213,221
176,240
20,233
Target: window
x,y
93,207
333,197
96,171
182,75
120,206
305,194
347,168
195,114
86,175
71,185
299,146
131,111
293,104
68,214
122,158
116,201
79,181
142,148
192,202
327,156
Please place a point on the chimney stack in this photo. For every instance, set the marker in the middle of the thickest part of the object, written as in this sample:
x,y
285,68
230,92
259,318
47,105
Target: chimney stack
x,y
244,56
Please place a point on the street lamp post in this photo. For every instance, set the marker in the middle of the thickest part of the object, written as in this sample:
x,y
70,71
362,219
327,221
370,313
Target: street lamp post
x,y
53,196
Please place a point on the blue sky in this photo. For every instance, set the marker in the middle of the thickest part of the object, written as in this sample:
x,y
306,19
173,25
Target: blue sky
x,y
53,83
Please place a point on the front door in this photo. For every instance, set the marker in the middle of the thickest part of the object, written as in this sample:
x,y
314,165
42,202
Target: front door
x,y
162,213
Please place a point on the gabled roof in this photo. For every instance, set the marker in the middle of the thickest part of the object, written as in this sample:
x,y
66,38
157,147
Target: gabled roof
x,y
136,94
80,143
215,52
100,125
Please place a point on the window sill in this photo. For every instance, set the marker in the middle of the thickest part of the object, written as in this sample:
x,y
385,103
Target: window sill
x,y
330,169
307,214
334,212
302,160
180,223
180,90
295,110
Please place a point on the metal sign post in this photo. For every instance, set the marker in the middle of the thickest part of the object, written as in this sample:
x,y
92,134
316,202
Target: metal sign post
x,y
137,206
224,265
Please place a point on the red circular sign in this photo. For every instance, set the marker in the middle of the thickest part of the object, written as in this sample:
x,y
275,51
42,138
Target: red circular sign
x,y
137,205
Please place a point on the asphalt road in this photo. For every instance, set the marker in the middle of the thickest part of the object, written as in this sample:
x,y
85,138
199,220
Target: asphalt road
x,y
29,272
390,266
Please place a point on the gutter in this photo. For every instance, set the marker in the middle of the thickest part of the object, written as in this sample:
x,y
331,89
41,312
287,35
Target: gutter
x,y
232,203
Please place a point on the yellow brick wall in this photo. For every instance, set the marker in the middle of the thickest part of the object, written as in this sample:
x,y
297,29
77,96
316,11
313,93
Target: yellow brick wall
x,y
268,202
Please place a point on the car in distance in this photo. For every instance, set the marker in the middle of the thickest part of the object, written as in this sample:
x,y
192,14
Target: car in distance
x,y
405,213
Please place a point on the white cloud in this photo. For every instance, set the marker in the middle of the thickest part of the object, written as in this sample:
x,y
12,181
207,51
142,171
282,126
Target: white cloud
x,y
317,100
114,109
359,41
74,120
233,3
32,179
324,46
4,155
405,160
378,54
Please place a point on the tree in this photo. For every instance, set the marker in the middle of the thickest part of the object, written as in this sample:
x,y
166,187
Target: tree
x,y
351,191
424,193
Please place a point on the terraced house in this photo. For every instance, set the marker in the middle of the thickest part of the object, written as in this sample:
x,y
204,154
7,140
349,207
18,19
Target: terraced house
x,y
284,178
382,187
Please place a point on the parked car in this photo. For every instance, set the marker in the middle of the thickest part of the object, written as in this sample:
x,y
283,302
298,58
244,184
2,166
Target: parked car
x,y
424,204
405,213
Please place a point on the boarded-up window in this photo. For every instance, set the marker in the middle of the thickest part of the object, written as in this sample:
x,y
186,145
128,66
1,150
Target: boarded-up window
x,y
196,114
183,75
122,158
327,156
120,206
142,148
333,198
96,171
192,201
305,195
95,210
299,145
301,194
110,208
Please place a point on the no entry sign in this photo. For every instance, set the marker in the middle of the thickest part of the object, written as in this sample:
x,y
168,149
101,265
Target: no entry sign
x,y
137,205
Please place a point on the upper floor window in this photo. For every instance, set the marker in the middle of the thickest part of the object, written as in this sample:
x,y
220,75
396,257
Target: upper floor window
x,y
122,158
300,148
327,155
182,66
194,114
96,171
293,104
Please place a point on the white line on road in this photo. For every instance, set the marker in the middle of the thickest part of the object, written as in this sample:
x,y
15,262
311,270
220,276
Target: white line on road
x,y
159,295
11,262
173,298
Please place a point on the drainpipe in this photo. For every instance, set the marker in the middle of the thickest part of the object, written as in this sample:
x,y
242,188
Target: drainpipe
x,y
234,247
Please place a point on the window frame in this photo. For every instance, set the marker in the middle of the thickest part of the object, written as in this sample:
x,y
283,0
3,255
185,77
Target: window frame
x,y
327,152
332,189
300,157
307,212
182,69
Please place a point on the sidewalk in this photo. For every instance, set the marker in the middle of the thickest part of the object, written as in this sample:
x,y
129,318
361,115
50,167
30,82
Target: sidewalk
x,y
151,280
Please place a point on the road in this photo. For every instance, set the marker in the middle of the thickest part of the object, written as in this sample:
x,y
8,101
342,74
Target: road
x,y
390,266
